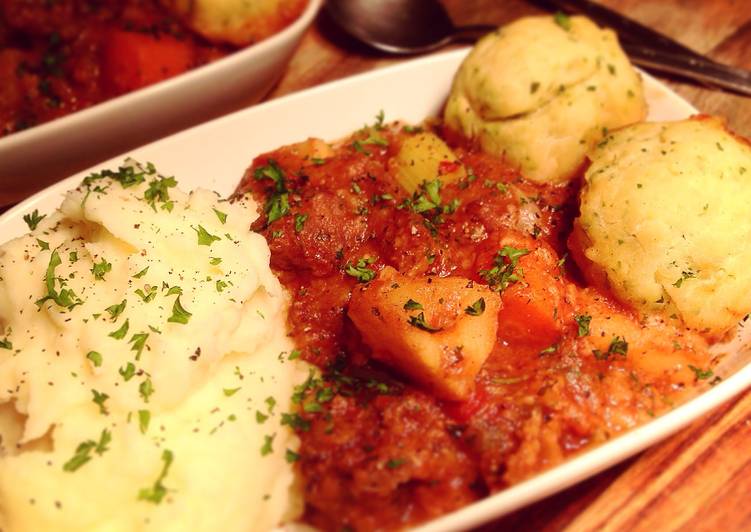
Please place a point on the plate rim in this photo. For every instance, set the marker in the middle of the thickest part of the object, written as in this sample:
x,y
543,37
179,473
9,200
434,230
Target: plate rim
x,y
544,484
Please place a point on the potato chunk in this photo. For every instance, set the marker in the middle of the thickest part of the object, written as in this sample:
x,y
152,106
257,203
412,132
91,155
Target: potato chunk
x,y
424,157
437,331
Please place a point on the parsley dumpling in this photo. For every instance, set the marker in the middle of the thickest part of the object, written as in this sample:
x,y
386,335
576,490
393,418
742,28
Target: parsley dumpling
x,y
237,22
665,221
542,91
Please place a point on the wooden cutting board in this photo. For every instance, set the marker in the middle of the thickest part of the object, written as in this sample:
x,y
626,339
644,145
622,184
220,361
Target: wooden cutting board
x,y
700,479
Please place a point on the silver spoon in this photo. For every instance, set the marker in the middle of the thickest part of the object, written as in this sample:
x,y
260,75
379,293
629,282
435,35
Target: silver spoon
x,y
418,26
401,26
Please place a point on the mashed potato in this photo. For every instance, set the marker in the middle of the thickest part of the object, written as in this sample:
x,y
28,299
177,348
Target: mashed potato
x,y
542,91
144,365
664,220
238,22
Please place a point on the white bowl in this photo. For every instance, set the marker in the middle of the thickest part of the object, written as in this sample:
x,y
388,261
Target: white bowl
x,y
34,158
215,155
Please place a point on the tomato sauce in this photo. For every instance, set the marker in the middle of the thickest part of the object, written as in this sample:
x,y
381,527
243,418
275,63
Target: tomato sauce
x,y
571,368
63,56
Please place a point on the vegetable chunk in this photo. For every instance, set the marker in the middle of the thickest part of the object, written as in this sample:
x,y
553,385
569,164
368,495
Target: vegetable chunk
x,y
424,157
438,331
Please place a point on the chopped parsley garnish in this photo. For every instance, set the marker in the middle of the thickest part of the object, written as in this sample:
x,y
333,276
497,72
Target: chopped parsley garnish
x,y
229,392
115,310
261,417
204,237
379,120
221,215
141,273
270,404
83,451
100,269
291,456
300,222
277,204
144,417
159,191
618,346
563,20
476,308
295,353
701,374
173,290
583,322
360,270
157,492
215,261
549,350
267,447
73,256
127,372
95,357
419,322
179,314
44,246
684,275
505,270
148,294
6,344
146,389
295,422
220,285
121,332
66,297
411,304
33,219
394,463
139,342
99,399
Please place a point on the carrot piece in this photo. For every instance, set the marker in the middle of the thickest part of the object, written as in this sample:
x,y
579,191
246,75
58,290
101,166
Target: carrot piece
x,y
134,60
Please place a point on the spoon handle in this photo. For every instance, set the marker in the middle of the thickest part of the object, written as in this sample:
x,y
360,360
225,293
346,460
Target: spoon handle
x,y
472,32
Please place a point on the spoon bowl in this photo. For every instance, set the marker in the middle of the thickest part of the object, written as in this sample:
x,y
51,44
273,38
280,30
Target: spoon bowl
x,y
401,26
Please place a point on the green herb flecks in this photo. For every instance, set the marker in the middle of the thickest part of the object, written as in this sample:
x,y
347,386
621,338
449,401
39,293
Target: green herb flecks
x,y
33,219
277,203
179,314
583,322
476,308
144,418
618,347
158,190
95,357
120,333
419,322
360,270
83,451
506,268
411,304
204,237
268,443
701,374
100,269
146,390
563,20
99,400
158,491
65,298
221,215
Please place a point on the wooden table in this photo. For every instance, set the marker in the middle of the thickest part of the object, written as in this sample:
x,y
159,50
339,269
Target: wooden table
x,y
700,479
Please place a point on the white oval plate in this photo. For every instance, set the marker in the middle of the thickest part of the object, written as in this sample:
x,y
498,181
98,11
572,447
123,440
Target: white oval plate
x,y
34,158
214,155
